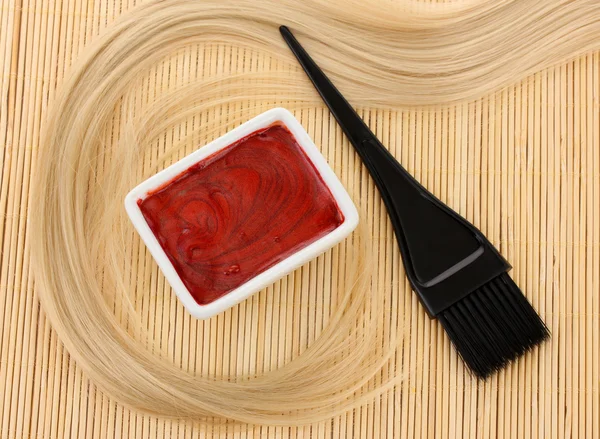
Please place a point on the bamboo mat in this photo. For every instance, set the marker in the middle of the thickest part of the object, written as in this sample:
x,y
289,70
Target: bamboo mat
x,y
523,165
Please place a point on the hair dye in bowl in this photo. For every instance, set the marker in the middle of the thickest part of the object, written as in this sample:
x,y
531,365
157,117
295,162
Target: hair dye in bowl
x,y
239,211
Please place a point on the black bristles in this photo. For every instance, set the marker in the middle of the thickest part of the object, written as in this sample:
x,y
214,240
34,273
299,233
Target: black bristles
x,y
493,326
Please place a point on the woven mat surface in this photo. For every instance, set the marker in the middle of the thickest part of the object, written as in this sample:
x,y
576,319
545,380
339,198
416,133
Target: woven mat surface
x,y
523,165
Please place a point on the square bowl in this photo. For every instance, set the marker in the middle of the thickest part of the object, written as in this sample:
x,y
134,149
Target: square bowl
x,y
274,268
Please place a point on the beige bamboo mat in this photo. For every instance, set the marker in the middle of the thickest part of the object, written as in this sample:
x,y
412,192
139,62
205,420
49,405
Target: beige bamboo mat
x,y
524,165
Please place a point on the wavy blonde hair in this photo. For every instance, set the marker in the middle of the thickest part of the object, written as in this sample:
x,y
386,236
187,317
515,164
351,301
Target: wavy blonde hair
x,y
381,54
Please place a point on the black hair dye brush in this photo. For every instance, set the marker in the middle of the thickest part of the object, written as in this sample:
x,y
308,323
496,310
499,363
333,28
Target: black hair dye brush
x,y
460,278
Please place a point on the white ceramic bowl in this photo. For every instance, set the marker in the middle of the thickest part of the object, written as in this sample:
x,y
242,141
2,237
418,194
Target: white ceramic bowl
x,y
277,271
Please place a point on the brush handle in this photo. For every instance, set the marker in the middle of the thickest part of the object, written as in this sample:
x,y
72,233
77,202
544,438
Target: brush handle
x,y
445,257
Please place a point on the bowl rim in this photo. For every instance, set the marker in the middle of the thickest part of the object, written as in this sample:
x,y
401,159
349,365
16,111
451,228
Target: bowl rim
x,y
281,268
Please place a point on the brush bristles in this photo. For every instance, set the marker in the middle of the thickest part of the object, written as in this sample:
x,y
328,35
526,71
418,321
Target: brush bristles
x,y
493,326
